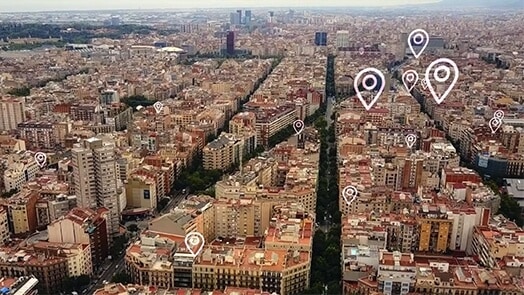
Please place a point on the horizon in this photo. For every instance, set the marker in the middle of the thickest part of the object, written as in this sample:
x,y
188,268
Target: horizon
x,y
101,5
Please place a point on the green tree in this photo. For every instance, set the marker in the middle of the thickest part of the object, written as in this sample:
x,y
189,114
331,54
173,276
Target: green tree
x,y
133,227
122,277
22,91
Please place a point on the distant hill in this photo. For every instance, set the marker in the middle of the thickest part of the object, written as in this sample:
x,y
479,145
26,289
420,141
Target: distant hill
x,y
483,3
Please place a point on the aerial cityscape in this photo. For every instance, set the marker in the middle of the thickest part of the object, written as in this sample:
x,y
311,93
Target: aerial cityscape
x,y
262,148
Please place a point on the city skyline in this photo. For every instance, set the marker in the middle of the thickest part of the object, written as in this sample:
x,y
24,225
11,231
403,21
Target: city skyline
x,y
32,5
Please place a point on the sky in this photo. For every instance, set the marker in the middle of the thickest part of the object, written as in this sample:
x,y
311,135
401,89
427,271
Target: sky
x,y
51,5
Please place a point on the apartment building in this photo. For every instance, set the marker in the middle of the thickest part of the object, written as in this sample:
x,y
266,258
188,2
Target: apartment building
x,y
280,271
435,228
224,152
49,270
96,181
38,135
141,192
161,260
499,239
271,120
4,226
78,256
22,169
12,112
21,209
86,227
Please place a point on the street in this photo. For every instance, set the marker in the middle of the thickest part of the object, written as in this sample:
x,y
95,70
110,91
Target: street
x,y
115,266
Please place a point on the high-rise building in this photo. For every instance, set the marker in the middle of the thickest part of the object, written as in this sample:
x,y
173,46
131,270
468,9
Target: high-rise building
x,y
12,112
96,178
240,20
248,17
233,18
342,39
230,43
320,38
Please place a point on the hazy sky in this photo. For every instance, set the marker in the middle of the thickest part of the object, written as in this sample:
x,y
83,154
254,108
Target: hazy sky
x,y
39,5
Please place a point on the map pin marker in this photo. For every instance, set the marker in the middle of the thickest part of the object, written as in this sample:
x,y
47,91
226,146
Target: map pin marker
x,y
40,159
446,66
349,193
420,39
410,140
158,107
298,125
194,242
372,74
410,78
361,50
494,124
424,85
498,115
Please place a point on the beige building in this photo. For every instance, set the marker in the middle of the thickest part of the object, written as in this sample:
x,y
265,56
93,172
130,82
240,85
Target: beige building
x,y
223,152
12,112
141,192
96,180
78,256
22,212
22,169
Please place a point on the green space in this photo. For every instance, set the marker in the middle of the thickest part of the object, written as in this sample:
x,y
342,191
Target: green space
x,y
72,33
326,272
71,284
20,92
137,100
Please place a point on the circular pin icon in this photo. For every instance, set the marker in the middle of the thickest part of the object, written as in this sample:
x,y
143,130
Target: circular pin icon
x,y
40,159
298,125
194,242
410,79
158,107
498,114
361,50
371,78
418,41
494,124
349,193
410,140
441,70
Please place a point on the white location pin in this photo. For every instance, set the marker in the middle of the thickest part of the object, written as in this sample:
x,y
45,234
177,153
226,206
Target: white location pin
x,y
410,140
41,159
361,51
158,107
194,242
498,115
410,79
420,39
494,124
424,85
372,74
298,125
446,65
349,193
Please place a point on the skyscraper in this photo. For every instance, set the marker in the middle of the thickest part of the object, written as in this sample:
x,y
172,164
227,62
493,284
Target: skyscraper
x,y
320,38
12,112
248,17
230,43
342,39
233,18
95,178
240,20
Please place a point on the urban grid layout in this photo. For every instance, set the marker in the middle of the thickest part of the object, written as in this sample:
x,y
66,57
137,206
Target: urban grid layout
x,y
366,149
